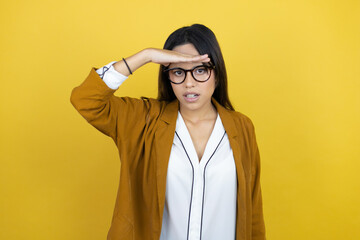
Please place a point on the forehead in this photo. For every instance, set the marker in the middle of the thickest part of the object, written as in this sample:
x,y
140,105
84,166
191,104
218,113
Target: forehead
x,y
187,48
185,65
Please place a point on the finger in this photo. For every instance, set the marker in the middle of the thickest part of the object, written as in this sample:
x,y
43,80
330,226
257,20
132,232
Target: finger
x,y
192,58
206,60
200,58
165,64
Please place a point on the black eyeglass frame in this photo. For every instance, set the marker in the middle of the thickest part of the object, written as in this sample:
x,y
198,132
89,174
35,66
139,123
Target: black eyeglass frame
x,y
211,67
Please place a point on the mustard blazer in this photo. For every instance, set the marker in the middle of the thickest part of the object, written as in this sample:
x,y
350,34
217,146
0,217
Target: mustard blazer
x,y
143,130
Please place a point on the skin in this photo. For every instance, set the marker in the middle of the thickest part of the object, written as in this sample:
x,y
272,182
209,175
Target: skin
x,y
202,108
199,116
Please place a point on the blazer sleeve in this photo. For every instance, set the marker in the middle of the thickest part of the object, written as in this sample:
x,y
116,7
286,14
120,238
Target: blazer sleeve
x,y
117,117
258,225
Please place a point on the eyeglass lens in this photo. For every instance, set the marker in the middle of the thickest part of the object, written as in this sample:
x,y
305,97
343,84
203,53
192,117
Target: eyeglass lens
x,y
200,73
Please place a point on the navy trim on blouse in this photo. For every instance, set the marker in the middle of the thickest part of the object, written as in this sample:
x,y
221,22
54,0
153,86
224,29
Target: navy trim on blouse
x,y
192,185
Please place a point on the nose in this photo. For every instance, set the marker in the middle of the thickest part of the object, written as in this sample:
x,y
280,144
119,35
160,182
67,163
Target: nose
x,y
189,80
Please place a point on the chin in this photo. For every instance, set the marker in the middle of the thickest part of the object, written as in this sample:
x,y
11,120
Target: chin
x,y
191,106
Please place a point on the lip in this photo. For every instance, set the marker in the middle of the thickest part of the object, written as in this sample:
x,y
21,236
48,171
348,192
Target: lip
x,y
191,99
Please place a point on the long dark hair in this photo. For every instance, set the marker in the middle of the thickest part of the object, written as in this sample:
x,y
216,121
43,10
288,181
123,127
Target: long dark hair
x,y
205,42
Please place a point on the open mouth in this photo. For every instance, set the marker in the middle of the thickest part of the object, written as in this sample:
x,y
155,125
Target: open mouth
x,y
193,95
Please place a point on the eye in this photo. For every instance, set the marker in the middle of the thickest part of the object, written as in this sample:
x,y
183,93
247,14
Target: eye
x,y
178,73
201,70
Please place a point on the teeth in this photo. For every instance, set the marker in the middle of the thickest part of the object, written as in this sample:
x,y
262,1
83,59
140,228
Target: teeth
x,y
191,95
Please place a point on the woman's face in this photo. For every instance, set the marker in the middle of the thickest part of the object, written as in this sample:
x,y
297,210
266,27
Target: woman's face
x,y
203,90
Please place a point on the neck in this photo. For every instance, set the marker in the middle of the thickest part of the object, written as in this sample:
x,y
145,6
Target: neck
x,y
195,116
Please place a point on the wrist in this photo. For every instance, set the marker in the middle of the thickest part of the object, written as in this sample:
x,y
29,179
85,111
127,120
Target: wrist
x,y
146,55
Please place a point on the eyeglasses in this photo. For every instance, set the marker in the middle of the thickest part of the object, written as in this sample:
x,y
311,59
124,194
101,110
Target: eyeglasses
x,y
200,73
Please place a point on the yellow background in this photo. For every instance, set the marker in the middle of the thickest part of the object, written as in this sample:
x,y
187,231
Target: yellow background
x,y
294,69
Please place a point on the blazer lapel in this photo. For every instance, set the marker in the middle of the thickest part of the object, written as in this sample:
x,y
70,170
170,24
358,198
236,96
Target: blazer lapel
x,y
164,136
236,141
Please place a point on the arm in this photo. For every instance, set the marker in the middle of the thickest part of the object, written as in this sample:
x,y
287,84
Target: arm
x,y
112,78
96,102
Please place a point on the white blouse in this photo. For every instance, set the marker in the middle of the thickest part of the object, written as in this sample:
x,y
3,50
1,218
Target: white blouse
x,y
200,198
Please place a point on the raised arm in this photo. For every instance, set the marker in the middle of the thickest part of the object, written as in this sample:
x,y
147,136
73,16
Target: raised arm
x,y
160,56
110,114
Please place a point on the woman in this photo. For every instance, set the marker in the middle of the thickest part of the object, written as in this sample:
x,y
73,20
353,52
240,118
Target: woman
x,y
190,166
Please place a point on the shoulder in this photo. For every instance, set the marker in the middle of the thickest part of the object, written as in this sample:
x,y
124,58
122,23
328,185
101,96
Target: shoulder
x,y
242,119
243,125
152,107
153,104
156,109
145,102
